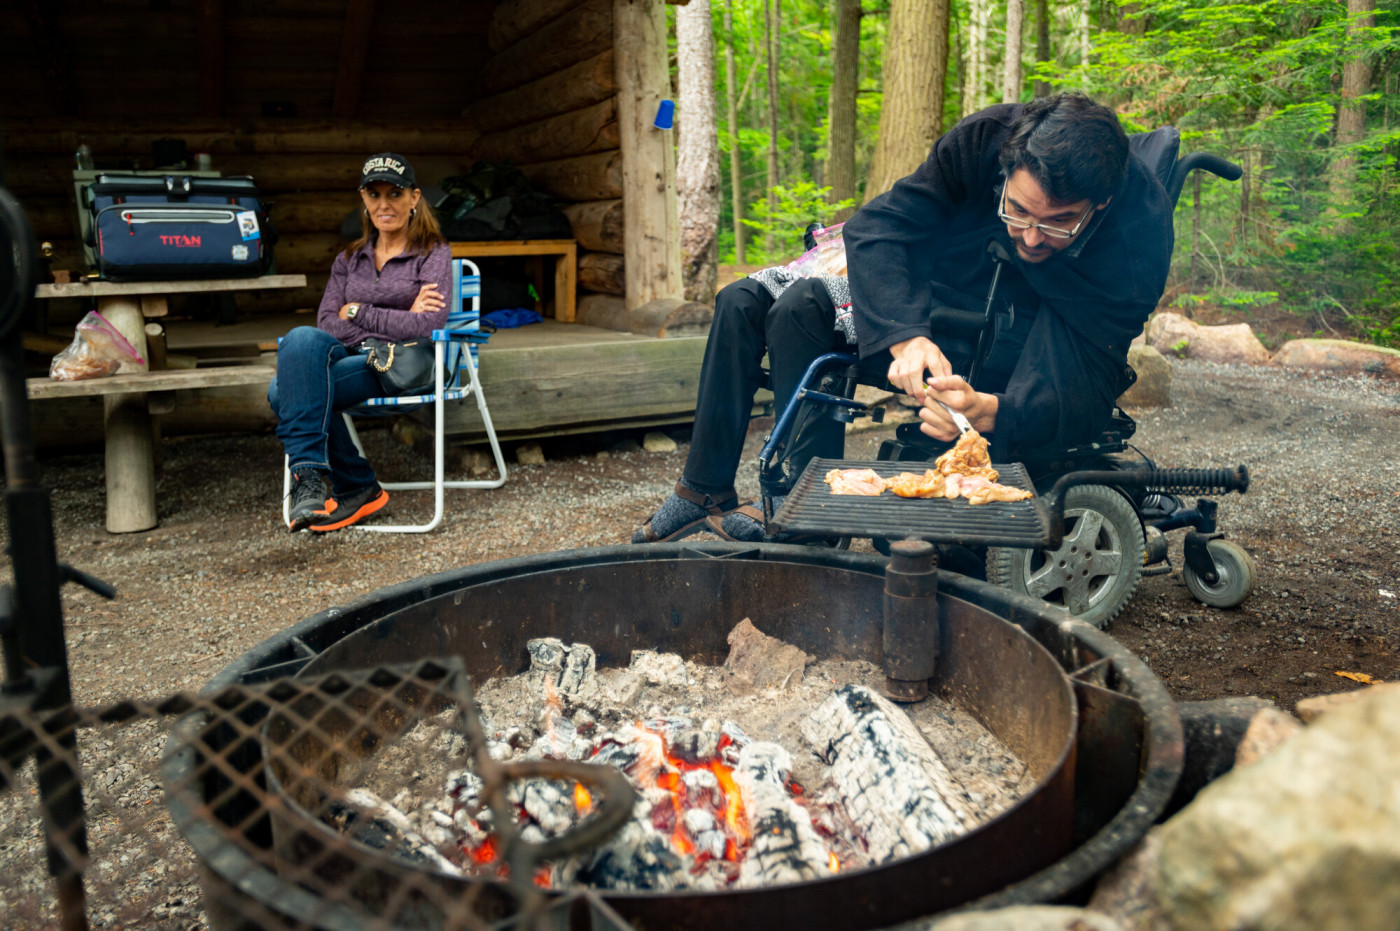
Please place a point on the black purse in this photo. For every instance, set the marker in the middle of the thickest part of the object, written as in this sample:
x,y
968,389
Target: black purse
x,y
402,367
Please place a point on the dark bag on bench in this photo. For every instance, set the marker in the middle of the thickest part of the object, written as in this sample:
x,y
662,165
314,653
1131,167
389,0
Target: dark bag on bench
x,y
177,226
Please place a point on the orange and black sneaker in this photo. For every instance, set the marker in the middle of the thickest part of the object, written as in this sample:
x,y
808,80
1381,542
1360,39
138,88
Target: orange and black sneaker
x,y
351,509
309,504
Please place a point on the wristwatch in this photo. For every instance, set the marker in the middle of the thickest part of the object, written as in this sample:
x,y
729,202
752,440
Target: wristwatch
x,y
351,310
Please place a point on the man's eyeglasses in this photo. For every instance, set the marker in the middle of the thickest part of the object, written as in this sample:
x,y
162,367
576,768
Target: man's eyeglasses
x,y
1053,231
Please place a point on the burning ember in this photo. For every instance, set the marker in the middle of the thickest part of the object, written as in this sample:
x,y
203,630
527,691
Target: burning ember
x,y
717,808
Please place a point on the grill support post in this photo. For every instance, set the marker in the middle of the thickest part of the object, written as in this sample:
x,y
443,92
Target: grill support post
x,y
911,619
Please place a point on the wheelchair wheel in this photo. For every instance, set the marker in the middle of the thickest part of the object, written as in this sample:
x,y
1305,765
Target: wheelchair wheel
x,y
1234,568
1097,566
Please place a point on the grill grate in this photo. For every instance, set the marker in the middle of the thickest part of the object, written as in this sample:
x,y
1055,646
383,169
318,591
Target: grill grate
x,y
811,508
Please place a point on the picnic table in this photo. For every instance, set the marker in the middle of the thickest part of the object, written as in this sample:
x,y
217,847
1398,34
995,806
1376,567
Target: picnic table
x,y
130,399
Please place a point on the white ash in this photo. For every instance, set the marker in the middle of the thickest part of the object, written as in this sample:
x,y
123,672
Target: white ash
x,y
785,846
375,823
880,763
796,814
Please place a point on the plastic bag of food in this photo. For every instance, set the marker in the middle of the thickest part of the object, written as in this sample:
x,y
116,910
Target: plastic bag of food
x,y
828,257
98,350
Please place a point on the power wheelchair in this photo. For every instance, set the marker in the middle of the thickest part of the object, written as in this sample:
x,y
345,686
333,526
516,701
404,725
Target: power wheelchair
x,y
1113,501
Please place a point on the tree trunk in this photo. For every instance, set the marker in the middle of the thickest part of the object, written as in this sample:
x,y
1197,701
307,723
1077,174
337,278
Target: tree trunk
x,y
1011,69
1084,37
841,116
976,51
1246,179
1195,279
1351,114
770,38
911,114
697,165
1042,42
736,174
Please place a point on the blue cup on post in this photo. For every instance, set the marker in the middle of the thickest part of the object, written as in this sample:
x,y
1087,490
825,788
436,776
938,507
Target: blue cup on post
x,y
665,115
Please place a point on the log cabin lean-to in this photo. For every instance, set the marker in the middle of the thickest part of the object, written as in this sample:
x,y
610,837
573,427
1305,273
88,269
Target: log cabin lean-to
x,y
296,92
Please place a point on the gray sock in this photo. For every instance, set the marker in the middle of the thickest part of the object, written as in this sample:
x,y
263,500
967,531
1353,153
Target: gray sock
x,y
675,516
745,528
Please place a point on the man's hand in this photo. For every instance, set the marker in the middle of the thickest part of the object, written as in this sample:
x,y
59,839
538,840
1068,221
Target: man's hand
x,y
428,300
953,390
912,358
344,312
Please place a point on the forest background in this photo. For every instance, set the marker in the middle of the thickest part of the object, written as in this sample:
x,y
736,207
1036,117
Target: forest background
x,y
796,111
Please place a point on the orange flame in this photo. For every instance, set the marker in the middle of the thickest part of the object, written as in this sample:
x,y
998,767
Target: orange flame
x,y
485,852
833,863
733,802
583,801
670,780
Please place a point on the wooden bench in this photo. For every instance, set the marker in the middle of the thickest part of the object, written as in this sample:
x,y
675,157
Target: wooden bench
x,y
130,452
129,400
564,251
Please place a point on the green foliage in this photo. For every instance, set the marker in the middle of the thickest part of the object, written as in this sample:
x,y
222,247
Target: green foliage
x,y
1261,82
1257,82
1228,298
793,208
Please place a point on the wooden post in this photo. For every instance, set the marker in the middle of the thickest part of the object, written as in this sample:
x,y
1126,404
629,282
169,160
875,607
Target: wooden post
x,y
651,228
130,450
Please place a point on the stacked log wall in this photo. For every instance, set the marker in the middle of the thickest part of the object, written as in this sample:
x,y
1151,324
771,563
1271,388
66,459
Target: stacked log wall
x,y
551,109
526,81
308,171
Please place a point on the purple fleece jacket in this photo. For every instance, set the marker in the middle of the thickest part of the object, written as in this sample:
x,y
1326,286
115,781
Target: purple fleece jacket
x,y
384,296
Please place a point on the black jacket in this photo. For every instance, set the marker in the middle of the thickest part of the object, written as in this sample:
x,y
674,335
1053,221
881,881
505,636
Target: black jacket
x,y
923,245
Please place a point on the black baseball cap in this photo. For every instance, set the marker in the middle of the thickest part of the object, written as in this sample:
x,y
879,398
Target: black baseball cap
x,y
387,166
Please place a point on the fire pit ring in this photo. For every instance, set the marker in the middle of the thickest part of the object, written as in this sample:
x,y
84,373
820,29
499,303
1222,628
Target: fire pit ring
x,y
1117,770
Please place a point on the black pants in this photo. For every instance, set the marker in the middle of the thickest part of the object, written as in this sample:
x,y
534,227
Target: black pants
x,y
795,329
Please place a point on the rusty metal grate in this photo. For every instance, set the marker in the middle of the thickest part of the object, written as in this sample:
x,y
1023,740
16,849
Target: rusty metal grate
x,y
259,806
811,508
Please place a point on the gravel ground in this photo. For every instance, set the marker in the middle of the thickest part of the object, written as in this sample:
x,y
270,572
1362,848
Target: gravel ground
x,y
220,574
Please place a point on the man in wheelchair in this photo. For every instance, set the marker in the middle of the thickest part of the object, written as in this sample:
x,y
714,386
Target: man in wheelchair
x,y
1005,279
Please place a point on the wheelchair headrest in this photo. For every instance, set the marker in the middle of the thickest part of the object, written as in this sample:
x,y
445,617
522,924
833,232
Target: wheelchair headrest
x,y
1158,150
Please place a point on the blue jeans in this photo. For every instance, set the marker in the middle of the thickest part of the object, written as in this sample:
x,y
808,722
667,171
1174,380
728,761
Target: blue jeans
x,y
317,378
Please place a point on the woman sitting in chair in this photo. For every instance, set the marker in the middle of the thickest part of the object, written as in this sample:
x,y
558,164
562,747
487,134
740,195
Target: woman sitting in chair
x,y
392,283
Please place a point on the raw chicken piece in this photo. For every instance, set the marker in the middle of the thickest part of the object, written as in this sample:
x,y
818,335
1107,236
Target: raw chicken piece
x,y
914,485
855,482
978,490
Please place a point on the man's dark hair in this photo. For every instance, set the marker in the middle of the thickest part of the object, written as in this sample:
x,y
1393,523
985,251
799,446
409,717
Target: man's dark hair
x,y
1073,147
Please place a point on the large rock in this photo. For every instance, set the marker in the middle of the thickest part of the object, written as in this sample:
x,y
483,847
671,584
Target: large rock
x,y
1124,891
1174,335
1267,732
1339,355
1153,387
1308,837
1310,709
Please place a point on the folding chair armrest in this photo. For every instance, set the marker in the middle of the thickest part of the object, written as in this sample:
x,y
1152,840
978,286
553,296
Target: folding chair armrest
x,y
469,336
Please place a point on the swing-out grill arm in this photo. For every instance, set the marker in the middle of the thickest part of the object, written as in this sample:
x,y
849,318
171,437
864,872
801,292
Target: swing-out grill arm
x,y
770,459
1181,481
